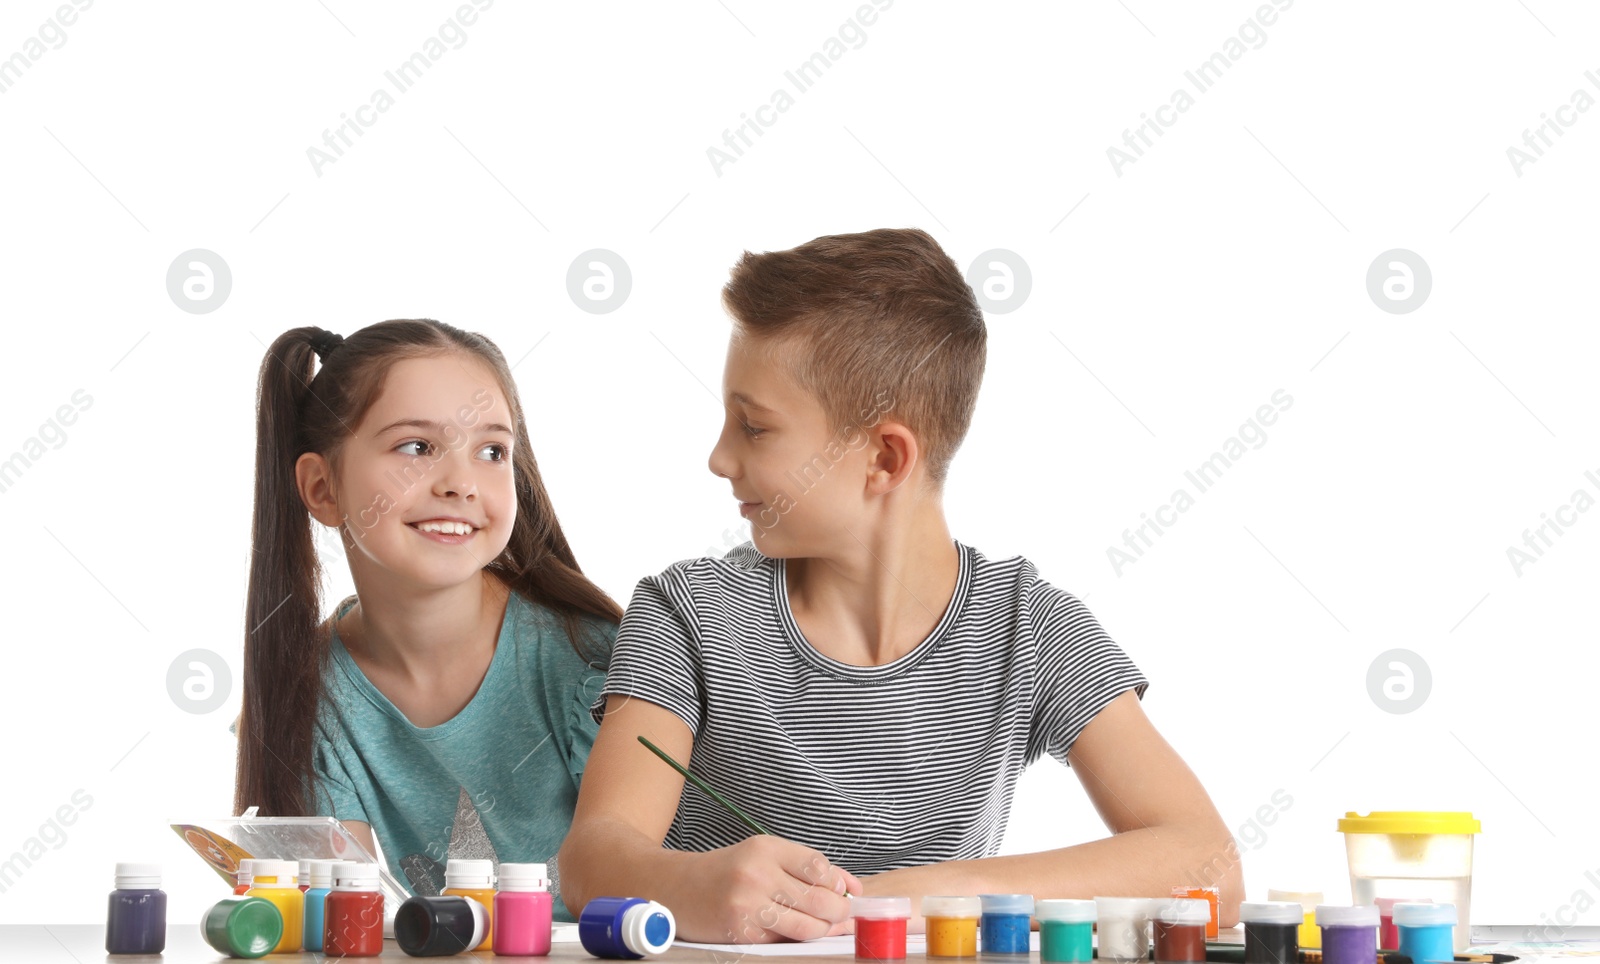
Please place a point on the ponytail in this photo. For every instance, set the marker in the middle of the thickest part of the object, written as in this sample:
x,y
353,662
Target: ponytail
x,y
285,650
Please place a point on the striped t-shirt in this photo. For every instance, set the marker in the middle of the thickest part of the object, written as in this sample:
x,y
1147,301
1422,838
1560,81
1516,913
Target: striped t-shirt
x,y
878,767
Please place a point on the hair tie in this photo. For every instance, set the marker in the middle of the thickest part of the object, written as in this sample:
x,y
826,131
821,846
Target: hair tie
x,y
324,342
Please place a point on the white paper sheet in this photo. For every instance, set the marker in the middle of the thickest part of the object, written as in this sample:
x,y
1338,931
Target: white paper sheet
x,y
845,944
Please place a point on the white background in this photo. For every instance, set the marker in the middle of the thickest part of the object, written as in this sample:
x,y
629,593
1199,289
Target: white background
x,y
1226,263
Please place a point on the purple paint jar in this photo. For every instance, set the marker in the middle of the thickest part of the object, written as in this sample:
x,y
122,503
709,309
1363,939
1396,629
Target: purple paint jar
x,y
1349,934
136,919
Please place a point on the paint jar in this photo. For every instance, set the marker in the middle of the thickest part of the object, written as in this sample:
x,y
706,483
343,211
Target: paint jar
x,y
1004,924
1123,925
522,911
1388,937
1309,901
242,877
1415,854
1066,930
475,879
242,926
136,916
1212,895
274,880
1271,931
1179,926
354,920
625,927
440,926
319,876
880,927
303,877
951,924
1349,934
1427,931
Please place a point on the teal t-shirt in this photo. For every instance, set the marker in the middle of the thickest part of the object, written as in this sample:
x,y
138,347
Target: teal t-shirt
x,y
498,781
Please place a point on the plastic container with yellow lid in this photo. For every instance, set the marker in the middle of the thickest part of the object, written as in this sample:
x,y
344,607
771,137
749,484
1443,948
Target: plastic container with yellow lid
x,y
1413,854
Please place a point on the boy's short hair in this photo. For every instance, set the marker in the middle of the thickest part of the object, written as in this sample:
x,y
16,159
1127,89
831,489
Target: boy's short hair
x,y
861,316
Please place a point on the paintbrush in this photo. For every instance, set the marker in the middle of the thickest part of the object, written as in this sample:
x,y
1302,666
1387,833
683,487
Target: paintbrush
x,y
705,787
1234,954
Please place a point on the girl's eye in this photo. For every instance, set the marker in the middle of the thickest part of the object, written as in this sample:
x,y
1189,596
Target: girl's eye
x,y
415,441
752,431
504,453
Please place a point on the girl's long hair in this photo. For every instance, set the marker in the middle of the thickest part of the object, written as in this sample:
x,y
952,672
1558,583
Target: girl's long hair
x,y
302,409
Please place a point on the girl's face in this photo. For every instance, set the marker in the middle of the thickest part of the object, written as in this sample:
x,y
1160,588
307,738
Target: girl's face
x,y
425,488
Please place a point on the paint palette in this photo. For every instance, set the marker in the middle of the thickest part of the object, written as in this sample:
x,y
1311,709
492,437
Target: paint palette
x,y
224,841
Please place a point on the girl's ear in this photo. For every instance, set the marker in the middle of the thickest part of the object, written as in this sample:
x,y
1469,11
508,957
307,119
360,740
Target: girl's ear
x,y
314,478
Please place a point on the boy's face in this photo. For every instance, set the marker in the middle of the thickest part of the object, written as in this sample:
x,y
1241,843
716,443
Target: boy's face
x,y
396,473
801,485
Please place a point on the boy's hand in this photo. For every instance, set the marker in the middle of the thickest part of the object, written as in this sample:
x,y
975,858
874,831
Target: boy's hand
x,y
766,889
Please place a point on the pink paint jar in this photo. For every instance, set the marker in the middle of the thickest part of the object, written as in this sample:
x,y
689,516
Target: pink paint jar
x,y
522,911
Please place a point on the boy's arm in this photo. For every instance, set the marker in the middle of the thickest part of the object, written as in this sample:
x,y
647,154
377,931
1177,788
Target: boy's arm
x,y
761,889
1166,830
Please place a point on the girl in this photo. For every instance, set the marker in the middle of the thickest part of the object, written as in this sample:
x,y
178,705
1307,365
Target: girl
x,y
442,708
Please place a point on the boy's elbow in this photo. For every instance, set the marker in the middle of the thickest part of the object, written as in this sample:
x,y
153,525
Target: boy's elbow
x,y
1228,874
571,867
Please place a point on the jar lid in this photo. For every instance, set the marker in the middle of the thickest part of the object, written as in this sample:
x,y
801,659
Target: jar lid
x,y
1069,911
524,877
1410,821
1423,915
1007,903
1339,915
879,908
461,872
1183,910
1122,906
1307,899
138,876
283,873
351,875
1271,912
1386,904
951,907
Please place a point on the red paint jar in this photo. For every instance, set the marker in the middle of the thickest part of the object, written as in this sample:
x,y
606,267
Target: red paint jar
x,y
353,913
880,927
1180,930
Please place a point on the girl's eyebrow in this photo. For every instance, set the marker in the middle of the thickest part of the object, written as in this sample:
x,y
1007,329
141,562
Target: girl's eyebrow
x,y
438,426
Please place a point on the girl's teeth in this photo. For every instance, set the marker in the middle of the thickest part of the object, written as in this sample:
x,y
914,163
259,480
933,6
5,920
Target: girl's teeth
x,y
448,528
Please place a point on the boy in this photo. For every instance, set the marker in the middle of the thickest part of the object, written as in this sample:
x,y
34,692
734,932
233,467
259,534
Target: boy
x,y
865,687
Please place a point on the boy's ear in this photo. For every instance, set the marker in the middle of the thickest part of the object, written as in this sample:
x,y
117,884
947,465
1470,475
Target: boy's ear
x,y
894,454
314,477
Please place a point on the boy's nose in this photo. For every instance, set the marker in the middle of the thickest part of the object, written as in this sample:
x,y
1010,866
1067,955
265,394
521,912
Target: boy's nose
x,y
718,462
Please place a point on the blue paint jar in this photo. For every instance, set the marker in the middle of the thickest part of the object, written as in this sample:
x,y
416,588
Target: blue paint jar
x,y
136,917
319,874
1003,928
1427,931
625,927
